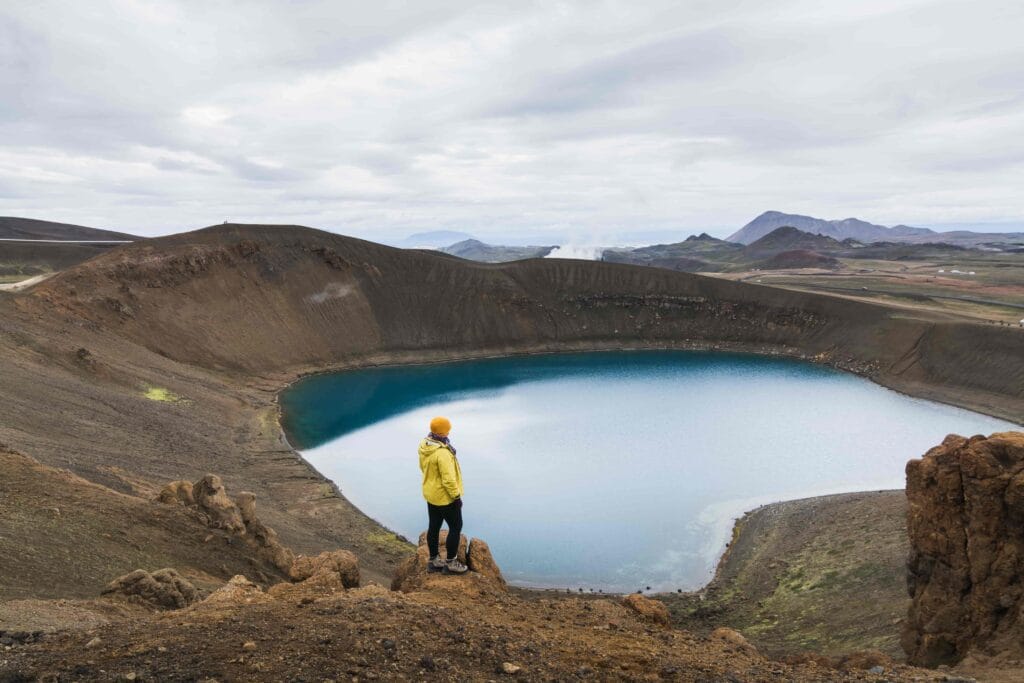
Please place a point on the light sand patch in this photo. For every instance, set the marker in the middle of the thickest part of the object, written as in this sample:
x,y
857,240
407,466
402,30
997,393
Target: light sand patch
x,y
335,290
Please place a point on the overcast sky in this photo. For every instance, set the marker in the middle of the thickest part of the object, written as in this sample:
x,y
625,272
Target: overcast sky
x,y
549,121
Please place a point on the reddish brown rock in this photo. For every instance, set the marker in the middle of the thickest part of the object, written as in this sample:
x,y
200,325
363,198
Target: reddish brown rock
x,y
263,537
965,577
412,575
480,560
319,585
442,539
340,562
214,502
734,639
651,610
238,591
177,492
163,589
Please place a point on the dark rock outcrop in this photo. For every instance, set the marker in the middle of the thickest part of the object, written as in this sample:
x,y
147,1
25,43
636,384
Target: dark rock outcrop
x,y
966,569
237,516
163,589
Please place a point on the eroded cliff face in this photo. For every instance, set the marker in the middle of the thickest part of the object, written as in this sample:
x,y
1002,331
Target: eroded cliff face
x,y
966,524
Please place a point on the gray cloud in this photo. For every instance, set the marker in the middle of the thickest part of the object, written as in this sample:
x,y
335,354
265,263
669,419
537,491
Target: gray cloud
x,y
539,120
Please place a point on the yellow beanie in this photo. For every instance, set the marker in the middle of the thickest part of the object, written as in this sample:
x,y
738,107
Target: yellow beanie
x,y
440,426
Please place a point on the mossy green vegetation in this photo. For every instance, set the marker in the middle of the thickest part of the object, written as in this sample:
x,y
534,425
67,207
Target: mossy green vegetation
x,y
390,542
823,575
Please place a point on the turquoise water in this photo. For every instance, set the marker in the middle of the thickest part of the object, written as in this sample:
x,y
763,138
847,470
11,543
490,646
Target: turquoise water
x,y
613,471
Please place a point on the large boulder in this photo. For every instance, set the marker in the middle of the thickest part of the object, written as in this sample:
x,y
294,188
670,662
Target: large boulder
x,y
163,589
965,519
342,563
649,610
480,560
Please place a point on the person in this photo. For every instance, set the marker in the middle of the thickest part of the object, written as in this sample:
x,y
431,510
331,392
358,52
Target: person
x,y
442,488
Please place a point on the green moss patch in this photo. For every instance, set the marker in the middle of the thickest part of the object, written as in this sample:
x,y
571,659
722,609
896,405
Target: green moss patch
x,y
161,394
388,541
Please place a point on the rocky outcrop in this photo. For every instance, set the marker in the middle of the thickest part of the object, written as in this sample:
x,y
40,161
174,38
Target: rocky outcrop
x,y
163,589
212,499
650,610
238,591
177,492
733,639
966,568
238,517
340,563
483,578
320,585
480,560
442,539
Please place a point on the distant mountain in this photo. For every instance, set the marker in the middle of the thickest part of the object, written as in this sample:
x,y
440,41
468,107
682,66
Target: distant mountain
x,y
788,238
31,229
697,253
434,239
862,231
475,250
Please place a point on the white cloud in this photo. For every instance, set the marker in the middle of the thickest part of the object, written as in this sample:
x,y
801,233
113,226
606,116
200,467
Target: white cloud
x,y
554,122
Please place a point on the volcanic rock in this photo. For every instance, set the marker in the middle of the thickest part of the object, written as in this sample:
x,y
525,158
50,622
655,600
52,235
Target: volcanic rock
x,y
965,577
319,585
163,589
651,610
177,492
265,538
341,563
212,499
481,561
734,638
412,575
238,591
237,516
442,539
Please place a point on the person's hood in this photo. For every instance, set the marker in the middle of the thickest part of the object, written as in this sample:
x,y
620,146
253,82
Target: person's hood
x,y
427,448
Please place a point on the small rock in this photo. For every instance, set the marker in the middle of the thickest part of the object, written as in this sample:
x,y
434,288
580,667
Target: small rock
x,y
95,642
388,644
249,645
510,668
130,676
427,662
877,670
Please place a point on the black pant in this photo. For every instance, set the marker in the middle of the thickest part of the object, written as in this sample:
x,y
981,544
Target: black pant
x,y
452,514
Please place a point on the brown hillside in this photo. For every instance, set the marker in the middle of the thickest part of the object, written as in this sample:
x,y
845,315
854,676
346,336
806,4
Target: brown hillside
x,y
217,321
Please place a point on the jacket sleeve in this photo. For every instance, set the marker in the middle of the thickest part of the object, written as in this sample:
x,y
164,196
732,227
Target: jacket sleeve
x,y
446,468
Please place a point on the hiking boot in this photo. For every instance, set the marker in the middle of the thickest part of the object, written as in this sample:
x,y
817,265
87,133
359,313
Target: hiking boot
x,y
453,566
436,564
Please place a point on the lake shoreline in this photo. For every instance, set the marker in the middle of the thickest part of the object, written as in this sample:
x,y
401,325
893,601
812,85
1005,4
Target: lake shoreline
x,y
404,360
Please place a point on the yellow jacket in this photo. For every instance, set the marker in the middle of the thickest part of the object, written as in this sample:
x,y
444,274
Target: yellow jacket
x,y
442,478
